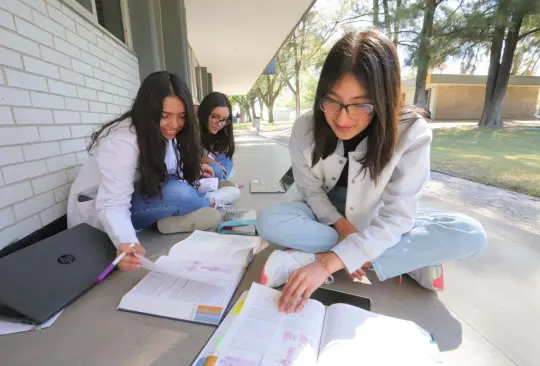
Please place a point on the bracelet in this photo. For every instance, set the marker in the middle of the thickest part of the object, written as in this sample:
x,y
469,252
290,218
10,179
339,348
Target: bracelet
x,y
323,264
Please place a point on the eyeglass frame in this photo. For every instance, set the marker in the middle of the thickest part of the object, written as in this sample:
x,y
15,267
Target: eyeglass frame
x,y
222,121
345,106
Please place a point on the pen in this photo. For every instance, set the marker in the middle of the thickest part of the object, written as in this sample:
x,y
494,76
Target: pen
x,y
111,266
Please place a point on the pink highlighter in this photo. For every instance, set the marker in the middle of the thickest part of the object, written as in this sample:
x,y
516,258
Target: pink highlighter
x,y
111,266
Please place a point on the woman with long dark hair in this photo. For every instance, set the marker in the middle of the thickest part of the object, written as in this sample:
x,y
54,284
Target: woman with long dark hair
x,y
144,168
215,117
361,160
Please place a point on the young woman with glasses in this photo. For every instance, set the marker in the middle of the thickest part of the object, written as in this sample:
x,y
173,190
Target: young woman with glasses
x,y
361,160
215,117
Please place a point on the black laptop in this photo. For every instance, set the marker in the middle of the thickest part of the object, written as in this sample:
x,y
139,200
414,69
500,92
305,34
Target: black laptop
x,y
40,280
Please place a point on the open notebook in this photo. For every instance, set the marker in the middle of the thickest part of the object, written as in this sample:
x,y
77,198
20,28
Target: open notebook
x,y
196,281
341,334
239,221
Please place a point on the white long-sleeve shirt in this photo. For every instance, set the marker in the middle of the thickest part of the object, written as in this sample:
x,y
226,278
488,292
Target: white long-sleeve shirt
x,y
381,213
109,175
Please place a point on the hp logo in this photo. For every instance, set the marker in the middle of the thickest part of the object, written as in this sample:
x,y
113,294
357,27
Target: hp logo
x,y
66,259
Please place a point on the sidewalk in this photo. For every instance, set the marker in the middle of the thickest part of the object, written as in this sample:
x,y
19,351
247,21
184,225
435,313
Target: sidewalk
x,y
488,313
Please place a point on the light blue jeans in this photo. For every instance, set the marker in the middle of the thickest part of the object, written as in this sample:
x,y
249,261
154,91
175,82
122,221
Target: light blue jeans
x,y
178,199
225,162
436,237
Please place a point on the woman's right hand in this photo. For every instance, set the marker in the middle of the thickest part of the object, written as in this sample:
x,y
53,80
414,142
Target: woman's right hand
x,y
130,261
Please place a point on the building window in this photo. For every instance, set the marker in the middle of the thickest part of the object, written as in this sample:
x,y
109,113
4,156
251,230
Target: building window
x,y
109,15
113,15
87,4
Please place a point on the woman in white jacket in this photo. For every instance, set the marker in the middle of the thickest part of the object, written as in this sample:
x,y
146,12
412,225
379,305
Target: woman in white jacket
x,y
144,168
361,161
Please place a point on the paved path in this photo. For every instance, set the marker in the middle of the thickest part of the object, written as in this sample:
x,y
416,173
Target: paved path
x,y
488,313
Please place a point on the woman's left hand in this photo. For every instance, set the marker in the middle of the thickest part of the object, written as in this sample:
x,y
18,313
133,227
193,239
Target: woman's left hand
x,y
207,171
300,285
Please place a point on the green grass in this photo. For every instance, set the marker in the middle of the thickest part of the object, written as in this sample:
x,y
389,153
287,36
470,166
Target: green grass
x,y
507,158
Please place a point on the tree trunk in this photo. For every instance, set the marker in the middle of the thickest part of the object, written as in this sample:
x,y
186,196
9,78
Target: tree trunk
x,y
376,23
253,110
499,73
517,62
270,107
424,54
297,94
261,109
387,21
396,22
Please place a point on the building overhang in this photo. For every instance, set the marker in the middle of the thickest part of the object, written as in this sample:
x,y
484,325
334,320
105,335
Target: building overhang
x,y
236,39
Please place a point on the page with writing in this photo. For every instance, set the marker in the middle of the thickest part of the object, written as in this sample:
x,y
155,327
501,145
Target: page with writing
x,y
206,245
170,296
261,335
351,333
195,282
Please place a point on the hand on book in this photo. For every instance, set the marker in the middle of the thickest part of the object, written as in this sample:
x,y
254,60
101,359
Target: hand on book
x,y
130,262
300,285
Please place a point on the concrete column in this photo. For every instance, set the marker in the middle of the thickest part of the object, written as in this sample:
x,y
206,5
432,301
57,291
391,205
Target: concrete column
x,y
146,35
175,40
210,83
198,82
204,78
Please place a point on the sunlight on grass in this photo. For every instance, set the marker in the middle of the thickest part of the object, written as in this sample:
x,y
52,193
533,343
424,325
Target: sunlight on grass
x,y
508,158
265,126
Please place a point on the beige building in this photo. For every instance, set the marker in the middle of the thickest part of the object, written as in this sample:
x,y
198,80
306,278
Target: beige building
x,y
461,97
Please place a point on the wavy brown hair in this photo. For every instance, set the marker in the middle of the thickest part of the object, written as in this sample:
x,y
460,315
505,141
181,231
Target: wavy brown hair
x,y
145,115
373,60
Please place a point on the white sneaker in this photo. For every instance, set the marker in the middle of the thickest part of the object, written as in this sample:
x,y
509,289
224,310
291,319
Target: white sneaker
x,y
281,263
224,197
431,277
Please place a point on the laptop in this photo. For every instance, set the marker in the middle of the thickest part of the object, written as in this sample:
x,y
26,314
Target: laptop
x,y
40,280
273,186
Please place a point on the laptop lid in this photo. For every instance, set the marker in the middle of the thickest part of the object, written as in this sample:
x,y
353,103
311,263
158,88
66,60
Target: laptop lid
x,y
287,180
42,279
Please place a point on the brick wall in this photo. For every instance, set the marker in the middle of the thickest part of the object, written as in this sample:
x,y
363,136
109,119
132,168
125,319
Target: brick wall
x,y
61,75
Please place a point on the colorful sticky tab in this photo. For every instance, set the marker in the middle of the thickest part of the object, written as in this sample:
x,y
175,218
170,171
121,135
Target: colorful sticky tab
x,y
218,341
207,361
238,307
208,314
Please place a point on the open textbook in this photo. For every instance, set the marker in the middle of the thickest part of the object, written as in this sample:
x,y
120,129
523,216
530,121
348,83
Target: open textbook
x,y
340,334
196,281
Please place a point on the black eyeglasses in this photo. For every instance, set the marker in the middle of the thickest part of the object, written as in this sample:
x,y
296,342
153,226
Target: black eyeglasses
x,y
358,111
218,119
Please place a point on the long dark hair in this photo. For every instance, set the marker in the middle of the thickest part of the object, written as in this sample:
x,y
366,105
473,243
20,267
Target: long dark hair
x,y
372,58
145,115
223,141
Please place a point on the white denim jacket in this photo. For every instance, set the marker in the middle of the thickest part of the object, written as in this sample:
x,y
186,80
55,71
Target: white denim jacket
x,y
382,213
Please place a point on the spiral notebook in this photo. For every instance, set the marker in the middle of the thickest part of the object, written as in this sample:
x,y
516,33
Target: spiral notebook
x,y
238,221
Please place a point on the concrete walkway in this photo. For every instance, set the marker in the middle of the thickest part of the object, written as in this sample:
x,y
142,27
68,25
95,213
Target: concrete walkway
x,y
488,313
